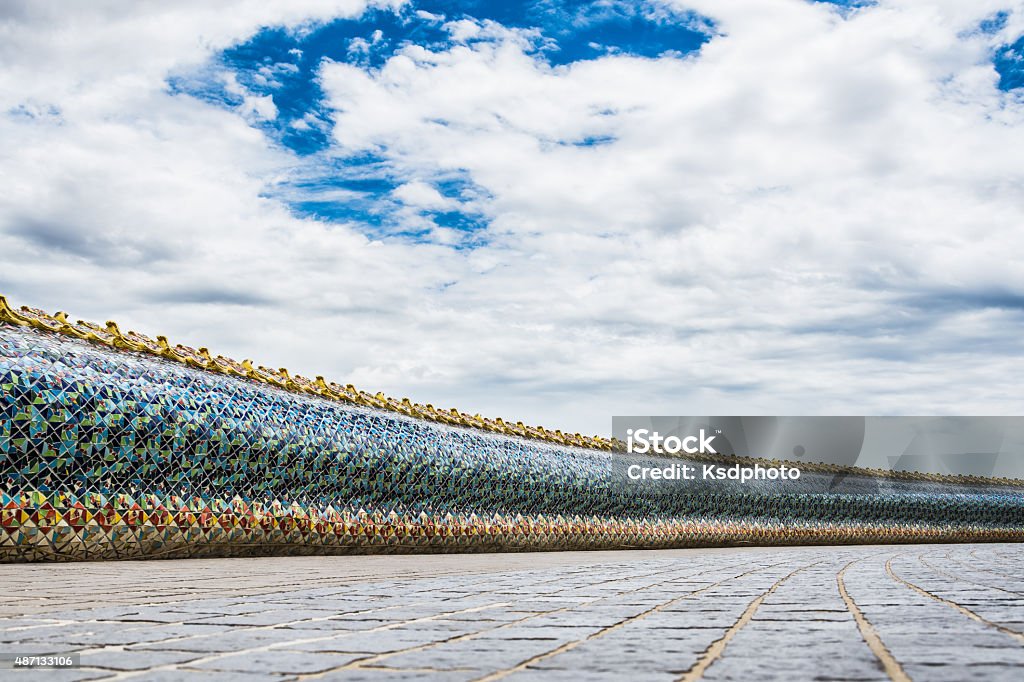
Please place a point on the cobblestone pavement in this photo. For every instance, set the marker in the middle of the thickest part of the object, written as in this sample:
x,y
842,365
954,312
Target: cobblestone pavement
x,y
923,612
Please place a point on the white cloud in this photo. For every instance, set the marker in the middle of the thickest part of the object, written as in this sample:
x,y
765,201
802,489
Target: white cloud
x,y
253,107
260,107
811,215
773,202
463,30
98,52
422,195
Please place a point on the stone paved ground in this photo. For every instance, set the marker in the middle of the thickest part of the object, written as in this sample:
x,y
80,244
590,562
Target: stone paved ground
x,y
927,612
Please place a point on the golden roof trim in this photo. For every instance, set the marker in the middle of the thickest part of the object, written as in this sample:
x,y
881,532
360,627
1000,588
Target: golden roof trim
x,y
111,336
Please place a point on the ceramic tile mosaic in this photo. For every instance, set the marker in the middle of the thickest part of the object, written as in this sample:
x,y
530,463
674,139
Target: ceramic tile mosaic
x,y
110,453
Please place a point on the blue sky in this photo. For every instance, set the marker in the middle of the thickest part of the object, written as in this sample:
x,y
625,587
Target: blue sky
x,y
284,65
547,211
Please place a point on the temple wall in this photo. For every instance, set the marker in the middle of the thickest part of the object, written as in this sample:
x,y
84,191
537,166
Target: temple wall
x,y
108,453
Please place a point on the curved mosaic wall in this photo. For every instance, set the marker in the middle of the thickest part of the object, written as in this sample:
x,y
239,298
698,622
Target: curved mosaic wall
x,y
113,453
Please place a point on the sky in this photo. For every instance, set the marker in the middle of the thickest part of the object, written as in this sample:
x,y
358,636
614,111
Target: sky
x,y
550,211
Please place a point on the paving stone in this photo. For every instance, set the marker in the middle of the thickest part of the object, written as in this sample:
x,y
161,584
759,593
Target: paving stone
x,y
370,642
288,662
178,674
593,616
546,675
251,619
394,675
959,673
476,654
230,641
58,675
550,633
133,660
450,627
335,624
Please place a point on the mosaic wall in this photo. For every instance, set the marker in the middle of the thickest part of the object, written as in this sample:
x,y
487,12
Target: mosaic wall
x,y
111,453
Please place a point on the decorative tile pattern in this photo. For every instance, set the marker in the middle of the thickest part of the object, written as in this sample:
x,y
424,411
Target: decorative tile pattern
x,y
112,336
113,453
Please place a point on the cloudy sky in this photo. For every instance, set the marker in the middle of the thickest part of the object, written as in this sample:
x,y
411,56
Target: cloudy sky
x,y
551,211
